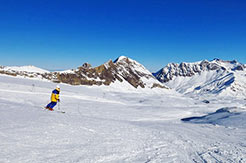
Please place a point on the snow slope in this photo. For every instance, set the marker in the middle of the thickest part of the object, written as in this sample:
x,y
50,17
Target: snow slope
x,y
103,124
206,78
131,67
30,69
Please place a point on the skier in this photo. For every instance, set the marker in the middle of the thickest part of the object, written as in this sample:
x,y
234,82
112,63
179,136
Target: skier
x,y
54,98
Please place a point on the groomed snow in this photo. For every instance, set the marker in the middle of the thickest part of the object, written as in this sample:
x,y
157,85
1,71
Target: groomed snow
x,y
103,124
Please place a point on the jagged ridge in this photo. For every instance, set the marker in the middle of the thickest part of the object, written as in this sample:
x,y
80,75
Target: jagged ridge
x,y
204,77
189,69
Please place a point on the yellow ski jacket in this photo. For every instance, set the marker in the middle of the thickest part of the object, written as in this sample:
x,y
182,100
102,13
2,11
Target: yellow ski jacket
x,y
55,95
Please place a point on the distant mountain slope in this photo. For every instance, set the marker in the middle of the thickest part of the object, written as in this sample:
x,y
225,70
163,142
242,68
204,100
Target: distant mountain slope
x,y
205,77
30,68
123,71
26,71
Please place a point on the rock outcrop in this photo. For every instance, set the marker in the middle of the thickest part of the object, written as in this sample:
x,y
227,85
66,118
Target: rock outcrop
x,y
189,69
205,78
122,69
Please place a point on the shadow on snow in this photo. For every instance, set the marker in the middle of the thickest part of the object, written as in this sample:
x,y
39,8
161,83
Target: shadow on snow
x,y
212,118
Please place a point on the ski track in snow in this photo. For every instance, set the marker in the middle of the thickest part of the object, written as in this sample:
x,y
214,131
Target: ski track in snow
x,y
106,126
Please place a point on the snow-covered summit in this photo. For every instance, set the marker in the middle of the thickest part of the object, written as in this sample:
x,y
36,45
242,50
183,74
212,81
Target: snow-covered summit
x,y
125,59
122,71
120,58
128,62
205,77
173,70
133,71
229,65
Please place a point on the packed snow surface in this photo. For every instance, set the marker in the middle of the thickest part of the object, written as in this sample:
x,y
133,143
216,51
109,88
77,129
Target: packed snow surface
x,y
105,124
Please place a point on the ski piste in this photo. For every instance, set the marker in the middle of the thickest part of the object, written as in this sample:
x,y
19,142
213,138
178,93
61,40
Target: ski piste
x,y
102,124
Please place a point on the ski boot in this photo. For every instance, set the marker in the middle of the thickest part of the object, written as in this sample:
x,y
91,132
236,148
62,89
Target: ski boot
x,y
49,109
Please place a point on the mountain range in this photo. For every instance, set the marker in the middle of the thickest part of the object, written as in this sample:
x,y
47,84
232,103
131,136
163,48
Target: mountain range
x,y
198,78
205,77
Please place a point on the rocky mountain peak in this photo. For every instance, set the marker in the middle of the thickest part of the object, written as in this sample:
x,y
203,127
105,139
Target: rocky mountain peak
x,y
121,59
189,69
86,65
122,71
204,77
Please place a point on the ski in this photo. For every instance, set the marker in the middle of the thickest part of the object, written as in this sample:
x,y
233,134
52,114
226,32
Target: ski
x,y
58,111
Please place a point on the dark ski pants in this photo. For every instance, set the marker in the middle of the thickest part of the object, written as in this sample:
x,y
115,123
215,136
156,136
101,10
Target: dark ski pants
x,y
51,105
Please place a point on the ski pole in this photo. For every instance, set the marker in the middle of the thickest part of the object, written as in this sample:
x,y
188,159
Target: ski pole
x,y
58,105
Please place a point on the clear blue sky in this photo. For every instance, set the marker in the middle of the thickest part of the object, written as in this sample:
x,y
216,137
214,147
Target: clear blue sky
x,y
63,34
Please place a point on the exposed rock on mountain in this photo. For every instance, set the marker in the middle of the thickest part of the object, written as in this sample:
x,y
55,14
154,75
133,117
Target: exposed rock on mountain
x,y
122,70
205,77
26,71
189,69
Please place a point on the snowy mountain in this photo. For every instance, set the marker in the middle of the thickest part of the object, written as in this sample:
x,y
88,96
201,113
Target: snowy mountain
x,y
104,124
123,72
198,78
19,69
205,77
26,71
